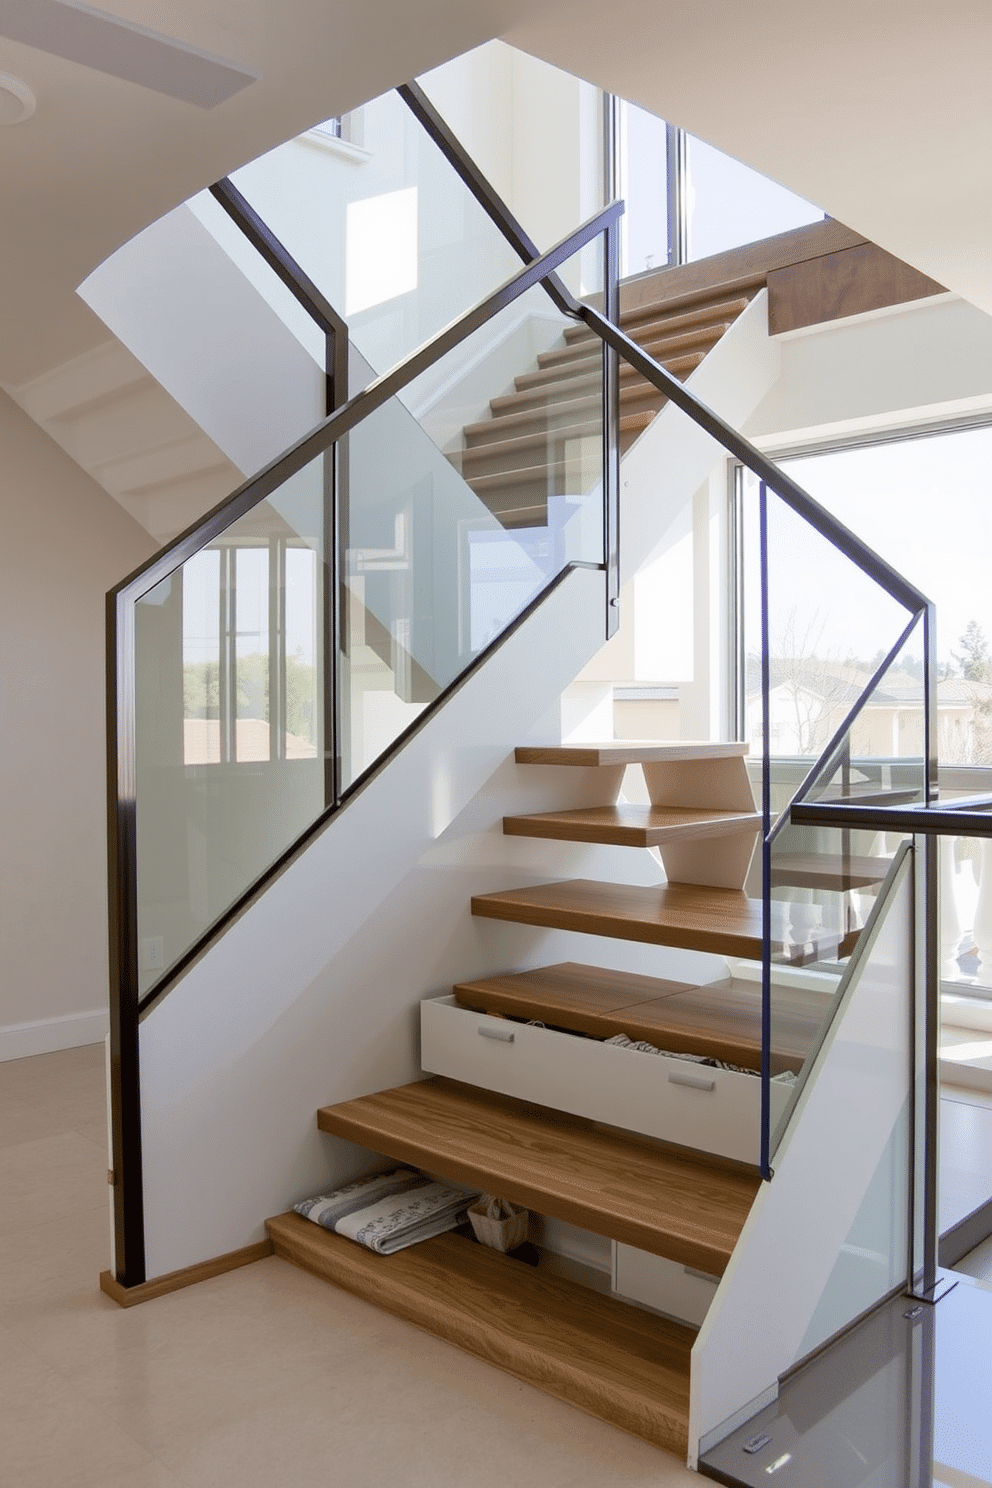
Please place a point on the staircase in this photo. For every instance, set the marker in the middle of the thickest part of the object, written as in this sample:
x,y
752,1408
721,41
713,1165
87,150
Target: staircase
x,y
532,444
655,1153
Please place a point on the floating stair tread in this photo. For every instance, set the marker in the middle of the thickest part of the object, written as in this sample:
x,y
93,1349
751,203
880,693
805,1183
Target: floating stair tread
x,y
568,995
719,1019
620,1363
626,752
629,825
828,871
693,917
657,1198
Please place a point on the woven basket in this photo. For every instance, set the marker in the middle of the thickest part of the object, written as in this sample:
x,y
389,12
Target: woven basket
x,y
498,1234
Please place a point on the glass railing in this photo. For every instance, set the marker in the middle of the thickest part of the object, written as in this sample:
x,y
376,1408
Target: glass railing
x,y
388,230
838,708
845,659
278,655
454,518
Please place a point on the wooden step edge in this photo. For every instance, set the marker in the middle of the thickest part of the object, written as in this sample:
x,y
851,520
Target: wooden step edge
x,y
653,337
522,442
728,308
492,429
671,1201
628,752
631,826
743,285
533,478
634,916
529,382
616,1362
531,408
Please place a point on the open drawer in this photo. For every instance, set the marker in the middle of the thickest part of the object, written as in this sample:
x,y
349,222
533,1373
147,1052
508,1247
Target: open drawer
x,y
694,1105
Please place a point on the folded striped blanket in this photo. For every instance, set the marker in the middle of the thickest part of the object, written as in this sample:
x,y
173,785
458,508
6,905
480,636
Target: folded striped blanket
x,y
389,1211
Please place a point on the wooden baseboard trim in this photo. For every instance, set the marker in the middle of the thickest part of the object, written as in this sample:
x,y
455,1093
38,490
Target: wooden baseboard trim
x,y
145,1291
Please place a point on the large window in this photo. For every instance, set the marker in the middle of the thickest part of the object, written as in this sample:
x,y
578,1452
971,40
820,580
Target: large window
x,y
922,501
686,200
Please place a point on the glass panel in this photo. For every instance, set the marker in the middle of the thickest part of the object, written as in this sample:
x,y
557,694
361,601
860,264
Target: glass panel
x,y
535,132
464,498
383,226
223,788
459,503
890,492
728,204
830,627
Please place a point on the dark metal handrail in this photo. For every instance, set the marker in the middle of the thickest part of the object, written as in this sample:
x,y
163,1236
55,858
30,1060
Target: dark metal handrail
x,y
924,819
798,500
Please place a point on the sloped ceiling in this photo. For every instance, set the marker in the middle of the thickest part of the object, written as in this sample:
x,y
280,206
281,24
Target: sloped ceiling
x,y
881,112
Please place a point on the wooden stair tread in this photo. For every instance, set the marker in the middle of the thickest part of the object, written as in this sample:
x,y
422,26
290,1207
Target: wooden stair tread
x,y
620,1363
657,337
492,449
725,307
555,376
719,1019
541,413
656,1198
692,917
630,825
828,871
568,995
626,752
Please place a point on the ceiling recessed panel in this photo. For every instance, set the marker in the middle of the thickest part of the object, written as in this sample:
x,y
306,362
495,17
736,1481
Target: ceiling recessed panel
x,y
78,33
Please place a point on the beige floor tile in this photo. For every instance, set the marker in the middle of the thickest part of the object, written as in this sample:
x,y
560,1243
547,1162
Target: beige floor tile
x,y
49,1434
48,1265
51,1180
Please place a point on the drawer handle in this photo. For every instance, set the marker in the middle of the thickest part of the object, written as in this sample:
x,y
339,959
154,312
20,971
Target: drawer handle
x,y
695,1082
505,1035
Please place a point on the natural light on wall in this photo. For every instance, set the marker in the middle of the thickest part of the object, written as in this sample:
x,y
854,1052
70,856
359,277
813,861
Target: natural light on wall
x,y
380,249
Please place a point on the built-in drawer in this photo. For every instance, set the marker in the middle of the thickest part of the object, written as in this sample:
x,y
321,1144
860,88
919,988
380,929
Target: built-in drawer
x,y
680,1291
713,1110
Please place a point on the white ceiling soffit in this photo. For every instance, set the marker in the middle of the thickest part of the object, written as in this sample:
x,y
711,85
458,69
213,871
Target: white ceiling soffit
x,y
78,33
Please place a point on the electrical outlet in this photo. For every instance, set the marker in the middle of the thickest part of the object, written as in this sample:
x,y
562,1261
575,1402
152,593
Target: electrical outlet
x,y
152,953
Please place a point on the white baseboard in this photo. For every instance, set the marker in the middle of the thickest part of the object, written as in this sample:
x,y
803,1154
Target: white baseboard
x,y
47,1035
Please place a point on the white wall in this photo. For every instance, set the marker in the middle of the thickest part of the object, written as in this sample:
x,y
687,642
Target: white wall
x,y
65,542
313,996
926,360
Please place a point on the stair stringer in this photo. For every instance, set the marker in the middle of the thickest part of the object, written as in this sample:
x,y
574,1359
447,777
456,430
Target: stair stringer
x,y
313,995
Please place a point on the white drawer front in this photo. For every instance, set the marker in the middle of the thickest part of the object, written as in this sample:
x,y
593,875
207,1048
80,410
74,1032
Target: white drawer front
x,y
666,1285
714,1110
